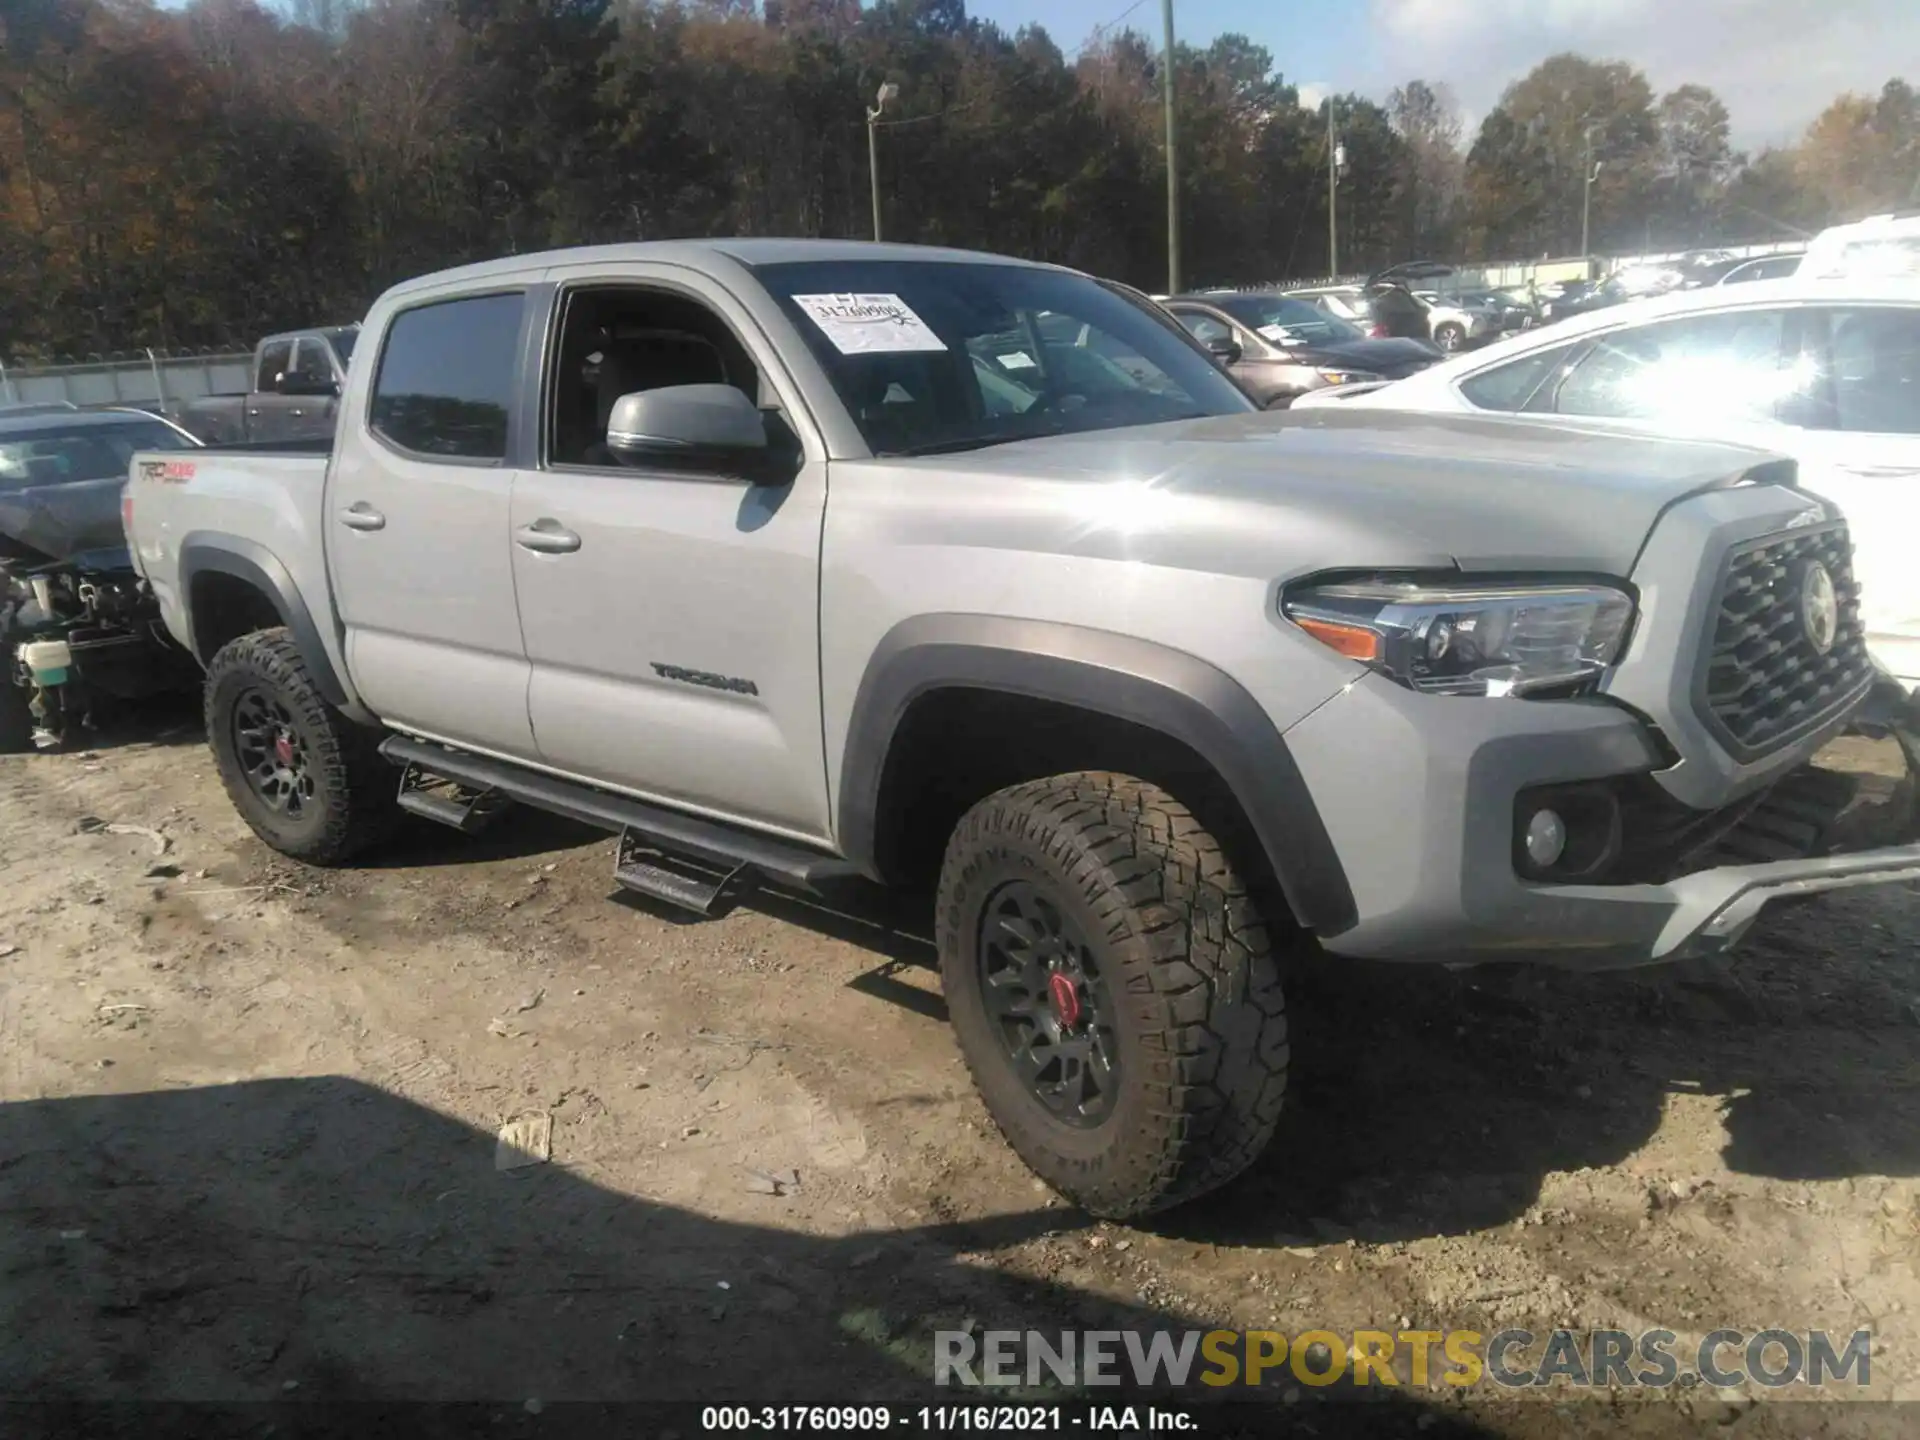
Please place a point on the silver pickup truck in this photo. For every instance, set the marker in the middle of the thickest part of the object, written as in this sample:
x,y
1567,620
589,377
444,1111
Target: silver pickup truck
x,y
795,562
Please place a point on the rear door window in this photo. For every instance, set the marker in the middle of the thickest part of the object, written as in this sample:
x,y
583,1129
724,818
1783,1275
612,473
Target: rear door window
x,y
1871,373
446,381
1724,365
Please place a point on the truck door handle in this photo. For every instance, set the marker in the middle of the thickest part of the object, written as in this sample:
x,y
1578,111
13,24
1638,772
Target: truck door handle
x,y
546,537
362,516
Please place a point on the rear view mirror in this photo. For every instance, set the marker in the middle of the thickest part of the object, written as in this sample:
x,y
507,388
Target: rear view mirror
x,y
708,427
294,383
1225,349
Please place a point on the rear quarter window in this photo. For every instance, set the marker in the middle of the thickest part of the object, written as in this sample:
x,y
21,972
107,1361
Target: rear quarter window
x,y
1510,386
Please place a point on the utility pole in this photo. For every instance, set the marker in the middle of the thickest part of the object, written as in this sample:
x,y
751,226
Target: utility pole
x,y
1589,172
1173,160
874,111
1333,201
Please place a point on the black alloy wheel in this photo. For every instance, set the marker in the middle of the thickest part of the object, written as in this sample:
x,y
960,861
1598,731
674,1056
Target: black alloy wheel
x,y
1048,1001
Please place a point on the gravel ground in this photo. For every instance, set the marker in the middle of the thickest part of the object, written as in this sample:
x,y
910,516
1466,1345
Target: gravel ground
x,y
248,1116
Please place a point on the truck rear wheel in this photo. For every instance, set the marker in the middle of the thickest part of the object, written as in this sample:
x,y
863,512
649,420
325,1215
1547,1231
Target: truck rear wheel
x,y
16,718
308,780
1113,989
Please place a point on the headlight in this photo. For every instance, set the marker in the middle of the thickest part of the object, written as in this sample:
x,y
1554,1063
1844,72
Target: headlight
x,y
1346,377
1469,640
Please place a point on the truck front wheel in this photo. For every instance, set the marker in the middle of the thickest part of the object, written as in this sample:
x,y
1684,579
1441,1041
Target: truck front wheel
x,y
308,780
1113,990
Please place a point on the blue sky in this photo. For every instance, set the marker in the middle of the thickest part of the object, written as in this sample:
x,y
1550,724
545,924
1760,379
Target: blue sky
x,y
1775,62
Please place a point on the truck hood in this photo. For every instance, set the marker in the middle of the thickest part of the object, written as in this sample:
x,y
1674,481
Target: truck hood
x,y
1346,489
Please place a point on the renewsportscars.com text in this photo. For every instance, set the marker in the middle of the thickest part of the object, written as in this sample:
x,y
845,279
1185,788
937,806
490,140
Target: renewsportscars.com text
x,y
1515,1359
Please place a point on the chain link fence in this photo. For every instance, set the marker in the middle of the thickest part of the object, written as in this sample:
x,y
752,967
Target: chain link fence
x,y
151,379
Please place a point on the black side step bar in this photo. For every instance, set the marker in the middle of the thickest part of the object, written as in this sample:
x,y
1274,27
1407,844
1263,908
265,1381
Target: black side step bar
x,y
641,826
447,802
642,867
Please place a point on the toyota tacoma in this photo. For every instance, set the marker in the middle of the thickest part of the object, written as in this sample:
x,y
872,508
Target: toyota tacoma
x,y
800,561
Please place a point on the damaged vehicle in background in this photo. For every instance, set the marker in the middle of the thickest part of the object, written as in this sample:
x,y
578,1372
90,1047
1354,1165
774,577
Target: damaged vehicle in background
x,y
77,624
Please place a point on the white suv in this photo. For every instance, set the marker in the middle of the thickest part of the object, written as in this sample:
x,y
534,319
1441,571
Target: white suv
x,y
1826,371
1882,247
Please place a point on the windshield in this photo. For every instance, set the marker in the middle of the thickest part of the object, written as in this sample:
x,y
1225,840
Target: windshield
x,y
342,342
61,455
934,356
1289,322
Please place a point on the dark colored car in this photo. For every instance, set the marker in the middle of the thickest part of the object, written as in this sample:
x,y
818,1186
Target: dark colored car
x,y
1278,347
1579,297
296,390
76,621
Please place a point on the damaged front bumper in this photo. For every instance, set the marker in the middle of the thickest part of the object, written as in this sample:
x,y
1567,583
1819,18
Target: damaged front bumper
x,y
1431,848
1707,913
1731,899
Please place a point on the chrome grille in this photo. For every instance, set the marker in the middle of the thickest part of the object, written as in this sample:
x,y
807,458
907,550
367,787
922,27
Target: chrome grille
x,y
1764,683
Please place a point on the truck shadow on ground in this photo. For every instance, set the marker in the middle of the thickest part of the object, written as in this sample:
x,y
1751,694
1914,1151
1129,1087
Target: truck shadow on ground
x,y
288,1244
1428,1102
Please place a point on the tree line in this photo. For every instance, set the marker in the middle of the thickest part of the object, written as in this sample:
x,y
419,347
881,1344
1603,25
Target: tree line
x,y
195,176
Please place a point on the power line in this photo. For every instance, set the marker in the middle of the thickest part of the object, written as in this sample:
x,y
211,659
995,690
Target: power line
x,y
1093,37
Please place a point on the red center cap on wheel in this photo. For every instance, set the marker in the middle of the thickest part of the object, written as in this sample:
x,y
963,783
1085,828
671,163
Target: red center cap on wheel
x,y
1066,1000
283,750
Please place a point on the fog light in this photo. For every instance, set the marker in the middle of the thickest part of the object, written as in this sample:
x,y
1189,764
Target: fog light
x,y
1546,838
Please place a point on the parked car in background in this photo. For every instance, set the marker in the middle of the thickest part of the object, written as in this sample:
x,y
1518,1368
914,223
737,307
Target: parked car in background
x,y
1512,310
1583,298
1827,371
1882,247
1279,347
76,622
1766,267
1348,302
1460,321
297,379
1414,274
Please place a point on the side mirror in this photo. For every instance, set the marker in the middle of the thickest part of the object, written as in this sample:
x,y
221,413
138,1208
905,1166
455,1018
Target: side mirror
x,y
1225,349
700,427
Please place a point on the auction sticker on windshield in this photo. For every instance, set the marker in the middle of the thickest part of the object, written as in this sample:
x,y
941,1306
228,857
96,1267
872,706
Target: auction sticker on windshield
x,y
868,324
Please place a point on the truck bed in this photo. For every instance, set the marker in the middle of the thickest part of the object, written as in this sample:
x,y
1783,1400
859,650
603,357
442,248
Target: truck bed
x,y
267,498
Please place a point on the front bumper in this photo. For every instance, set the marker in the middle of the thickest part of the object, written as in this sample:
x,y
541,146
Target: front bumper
x,y
1419,795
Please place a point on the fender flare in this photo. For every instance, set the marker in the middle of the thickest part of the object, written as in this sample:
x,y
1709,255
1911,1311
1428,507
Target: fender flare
x,y
1165,690
210,552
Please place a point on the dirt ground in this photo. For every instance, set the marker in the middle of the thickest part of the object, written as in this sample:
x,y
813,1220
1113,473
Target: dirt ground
x,y
248,1116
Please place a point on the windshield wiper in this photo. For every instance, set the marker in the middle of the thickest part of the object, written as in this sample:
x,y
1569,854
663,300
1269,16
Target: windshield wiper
x,y
954,447
981,442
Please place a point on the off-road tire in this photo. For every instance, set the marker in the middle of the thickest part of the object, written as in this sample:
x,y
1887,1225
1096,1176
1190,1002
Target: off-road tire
x,y
353,806
1450,337
1200,1019
16,718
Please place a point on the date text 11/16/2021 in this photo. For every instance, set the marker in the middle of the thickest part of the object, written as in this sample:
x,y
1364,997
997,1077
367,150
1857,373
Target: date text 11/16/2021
x,y
940,1419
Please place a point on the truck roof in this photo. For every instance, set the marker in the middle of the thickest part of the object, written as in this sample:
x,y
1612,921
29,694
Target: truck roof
x,y
766,251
